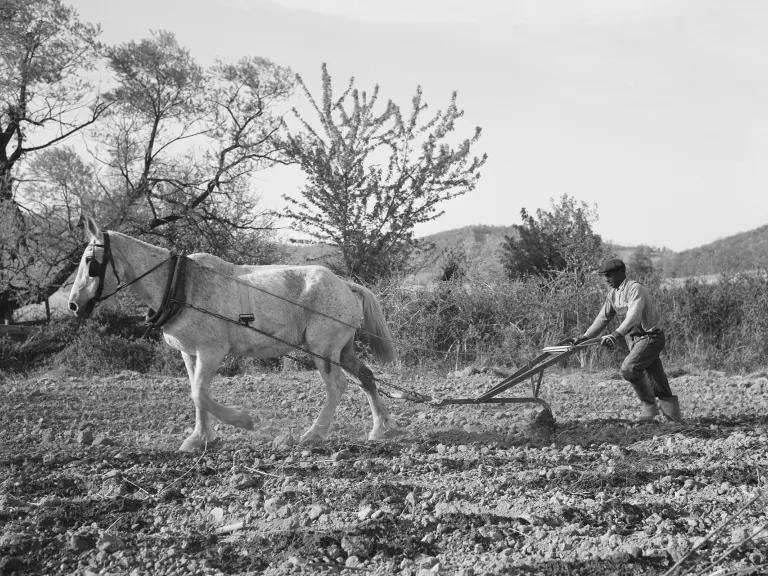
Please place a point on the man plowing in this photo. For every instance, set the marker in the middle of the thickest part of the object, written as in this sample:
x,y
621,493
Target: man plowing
x,y
640,326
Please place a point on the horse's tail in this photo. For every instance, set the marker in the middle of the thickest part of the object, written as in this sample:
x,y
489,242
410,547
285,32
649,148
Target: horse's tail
x,y
377,333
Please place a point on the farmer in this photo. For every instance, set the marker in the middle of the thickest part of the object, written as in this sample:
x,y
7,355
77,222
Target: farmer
x,y
641,328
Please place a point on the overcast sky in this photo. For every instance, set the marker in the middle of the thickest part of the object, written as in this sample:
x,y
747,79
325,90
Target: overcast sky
x,y
655,110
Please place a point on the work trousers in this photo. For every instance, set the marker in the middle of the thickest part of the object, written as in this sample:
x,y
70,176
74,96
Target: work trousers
x,y
643,360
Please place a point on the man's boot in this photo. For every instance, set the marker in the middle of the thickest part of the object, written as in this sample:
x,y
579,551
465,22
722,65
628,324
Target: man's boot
x,y
670,407
648,412
644,392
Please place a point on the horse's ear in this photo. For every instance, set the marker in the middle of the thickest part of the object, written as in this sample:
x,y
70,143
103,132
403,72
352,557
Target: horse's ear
x,y
92,228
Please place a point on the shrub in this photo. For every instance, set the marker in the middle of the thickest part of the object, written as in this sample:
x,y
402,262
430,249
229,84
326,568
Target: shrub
x,y
498,323
452,324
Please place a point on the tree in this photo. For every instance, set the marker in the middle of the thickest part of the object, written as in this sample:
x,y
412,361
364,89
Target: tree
x,y
58,184
641,265
181,144
553,241
454,264
45,52
374,174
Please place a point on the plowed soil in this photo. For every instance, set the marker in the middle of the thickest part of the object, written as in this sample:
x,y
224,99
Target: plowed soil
x,y
91,483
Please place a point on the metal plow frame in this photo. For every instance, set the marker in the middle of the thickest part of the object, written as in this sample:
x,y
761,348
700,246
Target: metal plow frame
x,y
534,370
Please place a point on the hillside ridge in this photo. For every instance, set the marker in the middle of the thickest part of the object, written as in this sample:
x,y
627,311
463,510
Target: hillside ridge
x,y
482,246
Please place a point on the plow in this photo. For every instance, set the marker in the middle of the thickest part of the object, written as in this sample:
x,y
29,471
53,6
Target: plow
x,y
532,371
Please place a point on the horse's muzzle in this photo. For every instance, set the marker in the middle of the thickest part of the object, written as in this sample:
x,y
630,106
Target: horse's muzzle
x,y
81,311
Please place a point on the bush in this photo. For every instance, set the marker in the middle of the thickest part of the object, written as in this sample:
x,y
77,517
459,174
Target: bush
x,y
452,324
720,325
37,349
499,323
717,326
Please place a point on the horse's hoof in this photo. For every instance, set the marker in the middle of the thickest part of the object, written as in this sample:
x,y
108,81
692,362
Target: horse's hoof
x,y
195,443
385,432
312,437
244,421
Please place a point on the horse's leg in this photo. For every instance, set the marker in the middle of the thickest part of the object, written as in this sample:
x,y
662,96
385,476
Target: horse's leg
x,y
335,385
383,425
203,372
203,434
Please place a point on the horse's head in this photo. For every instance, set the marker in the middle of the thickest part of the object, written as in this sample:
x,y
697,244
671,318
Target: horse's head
x,y
91,274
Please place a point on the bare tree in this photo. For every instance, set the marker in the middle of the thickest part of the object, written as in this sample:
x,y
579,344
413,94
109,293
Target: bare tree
x,y
45,54
181,143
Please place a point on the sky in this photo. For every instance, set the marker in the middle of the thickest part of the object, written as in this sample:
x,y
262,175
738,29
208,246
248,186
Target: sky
x,y
655,111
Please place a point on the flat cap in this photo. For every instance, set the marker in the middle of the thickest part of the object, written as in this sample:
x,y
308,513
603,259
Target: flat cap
x,y
610,265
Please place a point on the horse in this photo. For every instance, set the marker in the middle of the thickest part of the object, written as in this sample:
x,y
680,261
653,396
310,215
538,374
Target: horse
x,y
210,308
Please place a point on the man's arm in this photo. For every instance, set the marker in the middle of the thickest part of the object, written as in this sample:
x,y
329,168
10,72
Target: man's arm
x,y
601,321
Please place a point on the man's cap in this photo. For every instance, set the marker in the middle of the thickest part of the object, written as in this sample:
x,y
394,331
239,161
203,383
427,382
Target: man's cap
x,y
610,265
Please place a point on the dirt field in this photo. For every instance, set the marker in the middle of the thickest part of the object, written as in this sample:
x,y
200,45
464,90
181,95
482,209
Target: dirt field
x,y
90,482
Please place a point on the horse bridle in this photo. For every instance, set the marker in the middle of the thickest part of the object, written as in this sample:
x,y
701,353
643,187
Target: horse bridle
x,y
98,270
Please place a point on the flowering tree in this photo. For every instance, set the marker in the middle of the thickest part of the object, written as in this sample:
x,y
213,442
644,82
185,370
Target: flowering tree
x,y
374,173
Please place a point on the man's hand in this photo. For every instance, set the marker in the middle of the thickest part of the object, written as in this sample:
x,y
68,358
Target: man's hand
x,y
576,341
611,340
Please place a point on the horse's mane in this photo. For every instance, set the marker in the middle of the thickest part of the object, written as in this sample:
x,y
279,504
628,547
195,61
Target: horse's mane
x,y
211,261
147,245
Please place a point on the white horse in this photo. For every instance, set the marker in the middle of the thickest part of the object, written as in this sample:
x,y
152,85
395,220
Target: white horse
x,y
291,307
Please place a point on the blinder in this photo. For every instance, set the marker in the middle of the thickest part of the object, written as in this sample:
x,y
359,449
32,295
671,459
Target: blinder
x,y
98,269
94,268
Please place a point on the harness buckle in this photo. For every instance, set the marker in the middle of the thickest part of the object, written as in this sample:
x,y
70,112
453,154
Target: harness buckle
x,y
246,318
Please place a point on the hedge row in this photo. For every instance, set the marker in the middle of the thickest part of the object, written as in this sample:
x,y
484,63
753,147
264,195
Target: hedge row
x,y
452,324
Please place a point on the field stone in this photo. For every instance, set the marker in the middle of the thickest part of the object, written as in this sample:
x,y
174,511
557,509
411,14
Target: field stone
x,y
342,454
85,437
634,551
11,539
739,534
109,543
365,512
273,504
316,510
243,481
81,542
358,545
426,561
283,440
352,562
103,440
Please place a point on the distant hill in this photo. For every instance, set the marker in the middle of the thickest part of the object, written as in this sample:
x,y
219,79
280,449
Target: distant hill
x,y
738,253
481,245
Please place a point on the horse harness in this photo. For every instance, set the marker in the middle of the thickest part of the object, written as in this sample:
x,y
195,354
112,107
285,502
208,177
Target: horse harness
x,y
174,300
174,289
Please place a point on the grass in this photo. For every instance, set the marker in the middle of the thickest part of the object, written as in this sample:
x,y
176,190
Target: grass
x,y
448,326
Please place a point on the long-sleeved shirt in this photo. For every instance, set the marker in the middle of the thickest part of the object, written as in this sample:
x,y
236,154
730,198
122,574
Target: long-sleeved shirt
x,y
632,304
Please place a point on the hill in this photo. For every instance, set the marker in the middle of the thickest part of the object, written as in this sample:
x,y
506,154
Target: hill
x,y
738,253
481,245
